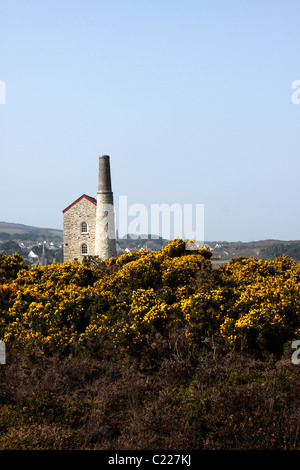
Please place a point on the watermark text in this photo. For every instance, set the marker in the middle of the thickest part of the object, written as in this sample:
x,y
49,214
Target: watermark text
x,y
2,92
2,353
296,94
185,221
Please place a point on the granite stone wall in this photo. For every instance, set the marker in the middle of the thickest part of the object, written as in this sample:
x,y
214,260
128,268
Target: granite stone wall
x,y
83,211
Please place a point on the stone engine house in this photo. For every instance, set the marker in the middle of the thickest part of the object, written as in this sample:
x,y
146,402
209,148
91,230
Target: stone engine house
x,y
89,223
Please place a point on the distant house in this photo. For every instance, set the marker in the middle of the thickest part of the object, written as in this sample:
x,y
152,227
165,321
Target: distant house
x,y
33,258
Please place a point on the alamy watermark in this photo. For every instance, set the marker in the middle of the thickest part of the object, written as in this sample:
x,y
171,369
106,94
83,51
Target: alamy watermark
x,y
2,353
296,94
295,358
2,92
185,221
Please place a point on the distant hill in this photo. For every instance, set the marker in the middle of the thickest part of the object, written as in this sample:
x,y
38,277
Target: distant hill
x,y
264,249
13,229
35,244
26,238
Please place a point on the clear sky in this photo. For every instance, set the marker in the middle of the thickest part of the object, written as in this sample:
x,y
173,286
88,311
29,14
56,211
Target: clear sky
x,y
191,100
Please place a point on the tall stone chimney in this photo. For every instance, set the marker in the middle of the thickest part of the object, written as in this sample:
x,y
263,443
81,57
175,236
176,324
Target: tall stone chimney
x,y
105,243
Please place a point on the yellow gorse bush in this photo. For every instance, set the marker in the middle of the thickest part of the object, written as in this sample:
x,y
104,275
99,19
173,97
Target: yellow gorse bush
x,y
264,300
69,307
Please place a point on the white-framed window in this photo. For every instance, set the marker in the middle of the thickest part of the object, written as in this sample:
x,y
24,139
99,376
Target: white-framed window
x,y
84,249
84,227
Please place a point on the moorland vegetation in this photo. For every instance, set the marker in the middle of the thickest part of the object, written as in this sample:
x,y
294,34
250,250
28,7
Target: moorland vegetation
x,y
150,350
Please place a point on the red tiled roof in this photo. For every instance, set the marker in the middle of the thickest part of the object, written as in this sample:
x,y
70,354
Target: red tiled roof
x,y
91,199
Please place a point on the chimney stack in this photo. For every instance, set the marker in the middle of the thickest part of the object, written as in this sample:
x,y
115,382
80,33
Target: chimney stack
x,y
104,185
105,243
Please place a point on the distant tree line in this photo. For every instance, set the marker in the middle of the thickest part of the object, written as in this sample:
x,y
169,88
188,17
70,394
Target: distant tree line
x,y
291,250
27,236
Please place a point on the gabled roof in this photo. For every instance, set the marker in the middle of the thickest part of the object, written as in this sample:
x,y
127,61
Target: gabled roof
x,y
89,198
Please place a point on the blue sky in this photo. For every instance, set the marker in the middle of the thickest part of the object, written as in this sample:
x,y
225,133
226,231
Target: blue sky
x,y
191,100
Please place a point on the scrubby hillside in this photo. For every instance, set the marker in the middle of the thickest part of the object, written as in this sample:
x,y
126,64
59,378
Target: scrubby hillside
x,y
150,350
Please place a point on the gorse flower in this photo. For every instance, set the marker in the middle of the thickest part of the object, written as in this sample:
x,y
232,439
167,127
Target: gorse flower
x,y
124,302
